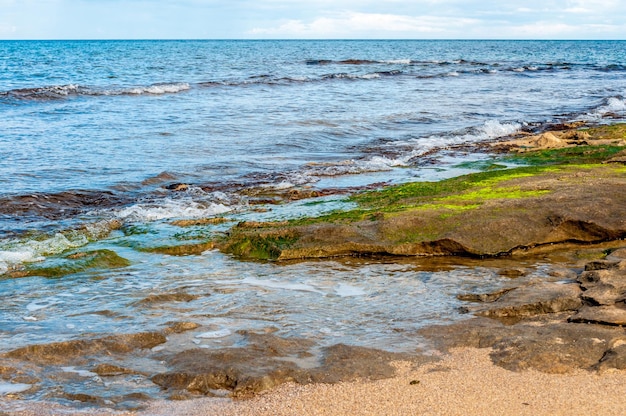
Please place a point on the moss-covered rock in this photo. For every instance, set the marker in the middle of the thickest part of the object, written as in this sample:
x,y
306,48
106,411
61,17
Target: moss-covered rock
x,y
76,263
484,214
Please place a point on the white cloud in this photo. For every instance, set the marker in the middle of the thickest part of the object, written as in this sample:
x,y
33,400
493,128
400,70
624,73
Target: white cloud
x,y
578,10
444,19
353,23
7,29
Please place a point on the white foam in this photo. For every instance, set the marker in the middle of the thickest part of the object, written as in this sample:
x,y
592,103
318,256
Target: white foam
x,y
220,333
160,89
172,209
494,129
12,388
491,129
344,290
399,61
276,284
613,105
31,251
82,373
453,74
280,185
42,304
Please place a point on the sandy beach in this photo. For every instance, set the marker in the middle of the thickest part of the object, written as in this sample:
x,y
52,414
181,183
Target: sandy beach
x,y
465,382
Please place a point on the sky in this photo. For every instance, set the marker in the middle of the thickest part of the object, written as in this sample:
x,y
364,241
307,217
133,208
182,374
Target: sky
x,y
312,19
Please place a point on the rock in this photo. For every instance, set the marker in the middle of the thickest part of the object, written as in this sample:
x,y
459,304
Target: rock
x,y
106,370
177,187
201,221
167,297
181,249
78,351
547,344
547,140
79,262
516,214
614,357
513,273
600,265
484,297
344,363
604,282
618,158
534,299
268,361
604,315
602,295
618,255
180,327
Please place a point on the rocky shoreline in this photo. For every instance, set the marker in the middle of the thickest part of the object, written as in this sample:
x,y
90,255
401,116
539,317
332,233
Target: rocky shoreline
x,y
560,201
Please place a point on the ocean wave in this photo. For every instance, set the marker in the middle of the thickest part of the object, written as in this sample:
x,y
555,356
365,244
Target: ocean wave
x,y
158,89
14,253
185,208
57,92
610,107
418,147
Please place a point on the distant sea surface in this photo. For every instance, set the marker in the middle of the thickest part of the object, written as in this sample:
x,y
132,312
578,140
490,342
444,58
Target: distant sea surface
x,y
94,133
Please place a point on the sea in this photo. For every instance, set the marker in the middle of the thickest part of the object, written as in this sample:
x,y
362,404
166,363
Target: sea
x,y
105,145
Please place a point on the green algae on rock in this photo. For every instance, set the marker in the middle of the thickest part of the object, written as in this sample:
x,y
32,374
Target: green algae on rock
x,y
483,214
180,249
76,263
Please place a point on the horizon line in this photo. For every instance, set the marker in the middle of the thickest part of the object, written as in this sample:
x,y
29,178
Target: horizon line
x,y
321,39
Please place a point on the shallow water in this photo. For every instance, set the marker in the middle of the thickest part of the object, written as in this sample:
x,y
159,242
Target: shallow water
x,y
94,133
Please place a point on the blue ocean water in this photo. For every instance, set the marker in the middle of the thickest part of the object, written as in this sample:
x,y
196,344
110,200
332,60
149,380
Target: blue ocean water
x,y
97,114
92,133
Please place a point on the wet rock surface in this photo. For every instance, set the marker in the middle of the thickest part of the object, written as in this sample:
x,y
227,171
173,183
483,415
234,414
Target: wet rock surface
x,y
530,300
521,213
553,327
267,362
547,324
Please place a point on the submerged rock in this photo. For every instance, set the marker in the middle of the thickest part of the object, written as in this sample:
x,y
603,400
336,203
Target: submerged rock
x,y
181,249
266,362
78,351
78,262
167,297
109,370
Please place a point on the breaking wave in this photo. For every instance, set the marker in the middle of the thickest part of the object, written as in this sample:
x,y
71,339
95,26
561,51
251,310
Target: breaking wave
x,y
16,252
612,107
56,92
185,208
